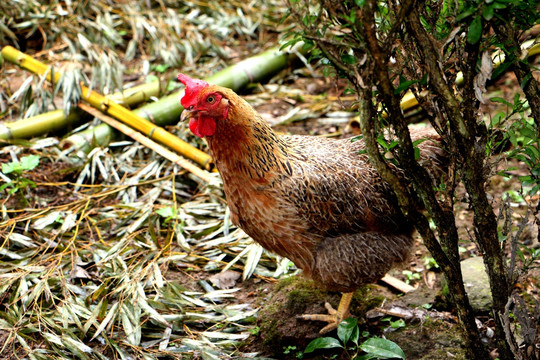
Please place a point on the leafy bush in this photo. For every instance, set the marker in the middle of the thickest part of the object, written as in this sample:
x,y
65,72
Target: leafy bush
x,y
440,54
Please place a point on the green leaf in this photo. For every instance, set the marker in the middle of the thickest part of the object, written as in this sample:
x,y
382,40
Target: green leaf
x,y
348,330
382,348
352,17
501,69
5,185
497,119
465,14
26,182
528,132
151,78
404,86
166,212
387,146
29,162
26,163
308,19
161,68
14,167
499,5
323,343
348,59
475,30
501,100
488,12
308,45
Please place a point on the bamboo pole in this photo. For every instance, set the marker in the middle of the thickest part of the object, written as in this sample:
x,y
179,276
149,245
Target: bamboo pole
x,y
201,174
39,124
57,119
138,94
167,110
111,108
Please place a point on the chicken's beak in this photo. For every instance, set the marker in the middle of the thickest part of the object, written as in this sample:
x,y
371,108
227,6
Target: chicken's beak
x,y
186,115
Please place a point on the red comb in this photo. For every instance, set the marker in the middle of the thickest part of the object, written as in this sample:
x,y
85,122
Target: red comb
x,y
193,86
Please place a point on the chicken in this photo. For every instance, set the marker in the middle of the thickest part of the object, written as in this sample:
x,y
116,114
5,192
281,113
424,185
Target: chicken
x,y
316,201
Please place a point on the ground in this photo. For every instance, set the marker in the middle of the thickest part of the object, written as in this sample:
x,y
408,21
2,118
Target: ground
x,y
105,248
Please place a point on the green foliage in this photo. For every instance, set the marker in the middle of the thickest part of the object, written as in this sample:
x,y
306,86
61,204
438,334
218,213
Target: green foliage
x,y
323,343
17,167
411,276
378,348
385,50
523,14
19,183
394,324
523,135
475,30
348,332
293,349
430,263
168,213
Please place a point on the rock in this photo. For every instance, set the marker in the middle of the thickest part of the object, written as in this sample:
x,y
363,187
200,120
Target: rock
x,y
476,283
226,279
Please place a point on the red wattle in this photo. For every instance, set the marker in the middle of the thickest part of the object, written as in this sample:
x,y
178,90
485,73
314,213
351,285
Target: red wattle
x,y
202,126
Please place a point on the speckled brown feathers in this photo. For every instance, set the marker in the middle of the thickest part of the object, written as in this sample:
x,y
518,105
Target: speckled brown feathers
x,y
314,200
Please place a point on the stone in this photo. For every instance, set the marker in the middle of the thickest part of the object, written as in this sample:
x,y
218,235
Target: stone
x,y
476,283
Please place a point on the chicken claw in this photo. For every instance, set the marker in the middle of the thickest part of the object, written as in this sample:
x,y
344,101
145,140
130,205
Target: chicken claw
x,y
334,316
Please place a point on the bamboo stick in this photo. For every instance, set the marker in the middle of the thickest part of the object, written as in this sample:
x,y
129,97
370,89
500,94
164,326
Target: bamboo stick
x,y
57,119
110,107
397,284
39,124
201,174
138,94
167,110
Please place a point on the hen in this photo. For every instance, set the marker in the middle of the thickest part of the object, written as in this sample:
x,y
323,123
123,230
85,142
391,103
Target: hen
x,y
314,200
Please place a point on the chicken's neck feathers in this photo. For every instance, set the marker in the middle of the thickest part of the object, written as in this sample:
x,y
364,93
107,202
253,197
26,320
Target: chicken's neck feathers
x,y
246,144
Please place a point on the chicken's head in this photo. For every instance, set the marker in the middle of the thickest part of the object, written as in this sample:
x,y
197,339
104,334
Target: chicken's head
x,y
203,105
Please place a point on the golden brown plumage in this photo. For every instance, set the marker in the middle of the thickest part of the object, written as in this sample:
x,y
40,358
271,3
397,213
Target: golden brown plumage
x,y
314,200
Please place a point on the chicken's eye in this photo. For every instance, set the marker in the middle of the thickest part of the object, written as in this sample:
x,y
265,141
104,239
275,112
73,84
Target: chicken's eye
x,y
210,99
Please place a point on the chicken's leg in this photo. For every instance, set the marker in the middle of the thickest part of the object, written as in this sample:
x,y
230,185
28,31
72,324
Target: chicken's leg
x,y
334,316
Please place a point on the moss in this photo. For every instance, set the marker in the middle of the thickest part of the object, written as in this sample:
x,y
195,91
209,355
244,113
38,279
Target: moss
x,y
296,282
278,319
365,299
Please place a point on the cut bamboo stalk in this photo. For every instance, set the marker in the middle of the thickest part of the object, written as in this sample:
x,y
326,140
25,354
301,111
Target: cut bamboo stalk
x,y
39,124
138,94
397,284
57,120
113,109
167,110
201,174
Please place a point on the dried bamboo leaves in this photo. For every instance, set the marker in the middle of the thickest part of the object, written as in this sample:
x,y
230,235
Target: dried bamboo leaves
x,y
101,269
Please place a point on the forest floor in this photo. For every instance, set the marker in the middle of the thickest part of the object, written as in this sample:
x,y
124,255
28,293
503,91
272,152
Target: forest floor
x,y
120,254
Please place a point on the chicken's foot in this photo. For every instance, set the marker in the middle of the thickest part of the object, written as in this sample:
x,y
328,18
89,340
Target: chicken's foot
x,y
334,316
